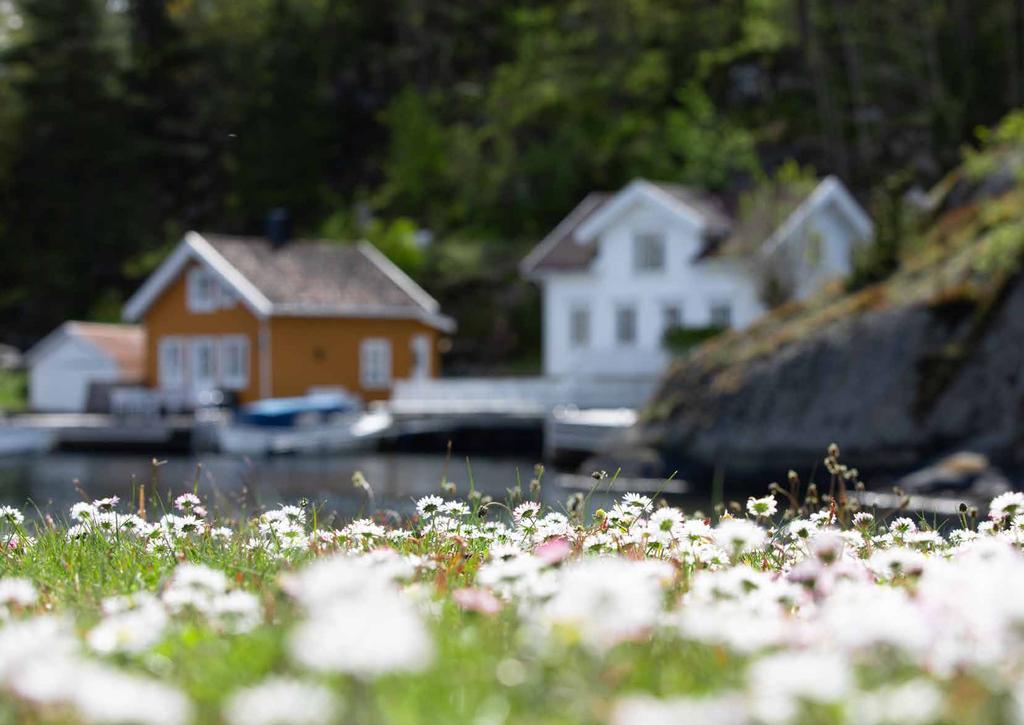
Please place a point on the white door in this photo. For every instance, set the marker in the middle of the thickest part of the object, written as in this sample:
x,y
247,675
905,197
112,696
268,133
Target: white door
x,y
204,364
420,357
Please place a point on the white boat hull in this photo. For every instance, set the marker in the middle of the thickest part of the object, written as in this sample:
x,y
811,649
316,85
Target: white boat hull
x,y
15,440
348,433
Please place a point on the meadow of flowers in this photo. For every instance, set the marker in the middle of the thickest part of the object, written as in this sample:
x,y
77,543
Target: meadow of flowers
x,y
797,607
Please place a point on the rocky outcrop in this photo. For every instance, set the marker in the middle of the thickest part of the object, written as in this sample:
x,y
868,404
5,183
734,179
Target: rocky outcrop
x,y
961,474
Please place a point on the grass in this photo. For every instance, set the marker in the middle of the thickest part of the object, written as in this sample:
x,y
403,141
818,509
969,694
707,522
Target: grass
x,y
636,614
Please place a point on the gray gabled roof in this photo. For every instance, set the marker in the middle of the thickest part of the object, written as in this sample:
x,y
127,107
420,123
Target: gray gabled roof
x,y
754,232
560,250
563,250
301,277
316,275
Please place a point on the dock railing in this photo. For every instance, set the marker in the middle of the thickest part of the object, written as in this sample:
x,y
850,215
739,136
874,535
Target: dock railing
x,y
516,396
139,402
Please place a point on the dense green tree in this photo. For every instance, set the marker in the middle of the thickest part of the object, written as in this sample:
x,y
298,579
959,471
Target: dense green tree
x,y
77,199
595,92
280,157
484,121
173,101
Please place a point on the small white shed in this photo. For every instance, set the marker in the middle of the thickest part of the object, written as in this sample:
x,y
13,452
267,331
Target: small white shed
x,y
64,365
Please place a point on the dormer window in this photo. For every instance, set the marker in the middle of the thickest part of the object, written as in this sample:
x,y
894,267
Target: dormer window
x,y
649,252
206,292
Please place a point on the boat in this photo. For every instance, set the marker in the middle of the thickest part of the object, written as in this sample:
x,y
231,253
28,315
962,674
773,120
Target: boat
x,y
571,433
321,423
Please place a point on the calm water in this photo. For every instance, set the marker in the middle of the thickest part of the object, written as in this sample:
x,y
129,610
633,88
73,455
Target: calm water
x,y
232,482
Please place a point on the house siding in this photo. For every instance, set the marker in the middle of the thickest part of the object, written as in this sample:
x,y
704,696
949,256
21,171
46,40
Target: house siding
x,y
822,251
325,352
169,316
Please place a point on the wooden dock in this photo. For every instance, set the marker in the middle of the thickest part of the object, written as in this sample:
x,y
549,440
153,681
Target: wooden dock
x,y
929,505
573,419
553,418
89,431
623,484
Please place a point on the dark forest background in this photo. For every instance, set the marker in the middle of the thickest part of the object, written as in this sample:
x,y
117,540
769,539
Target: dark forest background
x,y
476,124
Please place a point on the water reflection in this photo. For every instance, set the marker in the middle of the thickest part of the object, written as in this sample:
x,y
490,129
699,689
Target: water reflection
x,y
232,483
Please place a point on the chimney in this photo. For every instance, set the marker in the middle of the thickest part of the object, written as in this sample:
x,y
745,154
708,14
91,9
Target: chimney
x,y
278,227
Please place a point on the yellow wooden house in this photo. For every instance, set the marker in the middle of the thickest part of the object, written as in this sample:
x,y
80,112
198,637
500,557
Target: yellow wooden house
x,y
272,319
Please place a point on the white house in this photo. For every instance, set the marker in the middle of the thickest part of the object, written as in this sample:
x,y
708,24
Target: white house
x,y
623,267
66,363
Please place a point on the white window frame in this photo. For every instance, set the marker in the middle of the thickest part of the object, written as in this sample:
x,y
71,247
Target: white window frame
x,y
645,259
715,307
420,348
203,290
196,344
375,363
171,375
231,345
579,326
627,310
226,297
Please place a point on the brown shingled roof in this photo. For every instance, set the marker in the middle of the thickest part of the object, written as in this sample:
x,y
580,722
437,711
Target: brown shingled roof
x,y
560,249
125,344
315,275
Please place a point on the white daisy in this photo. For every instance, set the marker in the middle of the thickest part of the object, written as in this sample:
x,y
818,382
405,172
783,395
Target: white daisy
x,y
455,508
526,512
638,503
11,515
766,506
106,504
739,536
283,701
1006,504
902,526
187,502
429,505
83,511
863,519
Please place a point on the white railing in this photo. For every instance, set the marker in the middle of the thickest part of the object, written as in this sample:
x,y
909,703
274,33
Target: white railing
x,y
518,395
523,396
148,402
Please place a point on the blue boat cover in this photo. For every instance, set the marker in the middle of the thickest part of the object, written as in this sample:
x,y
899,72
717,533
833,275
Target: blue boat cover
x,y
282,412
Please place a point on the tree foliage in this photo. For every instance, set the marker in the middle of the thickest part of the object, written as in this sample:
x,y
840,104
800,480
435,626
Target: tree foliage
x,y
124,123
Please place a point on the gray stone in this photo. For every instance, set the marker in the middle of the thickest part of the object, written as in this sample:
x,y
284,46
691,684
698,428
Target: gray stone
x,y
893,387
